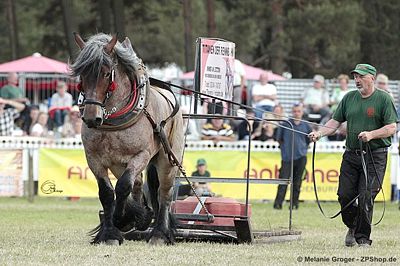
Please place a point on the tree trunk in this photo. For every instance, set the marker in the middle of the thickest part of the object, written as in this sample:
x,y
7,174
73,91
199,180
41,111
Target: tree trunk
x,y
187,21
277,47
69,26
211,26
12,25
105,18
119,17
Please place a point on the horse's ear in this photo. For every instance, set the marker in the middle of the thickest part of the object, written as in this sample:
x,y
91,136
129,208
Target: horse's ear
x,y
109,47
79,40
127,44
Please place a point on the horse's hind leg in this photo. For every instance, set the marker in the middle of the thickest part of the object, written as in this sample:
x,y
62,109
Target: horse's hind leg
x,y
163,232
106,231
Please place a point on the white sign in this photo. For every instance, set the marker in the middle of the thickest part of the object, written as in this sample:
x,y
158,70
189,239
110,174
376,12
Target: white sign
x,y
217,68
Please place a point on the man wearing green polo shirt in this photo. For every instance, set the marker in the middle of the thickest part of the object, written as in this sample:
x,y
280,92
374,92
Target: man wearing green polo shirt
x,y
11,91
371,121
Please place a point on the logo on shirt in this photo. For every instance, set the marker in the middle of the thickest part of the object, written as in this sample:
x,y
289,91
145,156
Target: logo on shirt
x,y
370,111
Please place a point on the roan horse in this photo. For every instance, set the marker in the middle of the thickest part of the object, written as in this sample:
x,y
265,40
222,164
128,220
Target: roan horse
x,y
125,122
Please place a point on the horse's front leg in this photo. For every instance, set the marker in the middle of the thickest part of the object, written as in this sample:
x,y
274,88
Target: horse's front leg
x,y
106,231
163,232
129,210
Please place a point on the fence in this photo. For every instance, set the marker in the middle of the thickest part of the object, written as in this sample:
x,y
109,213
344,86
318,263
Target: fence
x,y
47,159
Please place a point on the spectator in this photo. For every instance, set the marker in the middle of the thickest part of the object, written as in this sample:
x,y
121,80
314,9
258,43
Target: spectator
x,y
7,116
39,129
202,188
31,119
265,132
217,130
277,113
73,124
339,93
264,95
239,82
61,103
382,82
315,100
301,142
11,91
243,131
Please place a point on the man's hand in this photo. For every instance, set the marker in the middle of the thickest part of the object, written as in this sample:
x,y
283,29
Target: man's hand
x,y
315,136
3,101
365,136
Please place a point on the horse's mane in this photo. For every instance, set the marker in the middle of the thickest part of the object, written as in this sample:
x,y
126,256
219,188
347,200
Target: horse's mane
x,y
93,56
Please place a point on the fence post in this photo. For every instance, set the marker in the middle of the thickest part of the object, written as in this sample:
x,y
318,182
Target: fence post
x,y
31,191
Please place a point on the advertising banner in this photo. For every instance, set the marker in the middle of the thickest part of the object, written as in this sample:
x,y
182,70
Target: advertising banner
x,y
11,179
65,173
216,67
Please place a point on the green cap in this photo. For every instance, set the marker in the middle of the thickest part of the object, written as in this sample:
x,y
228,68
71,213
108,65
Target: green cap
x,y
364,69
201,162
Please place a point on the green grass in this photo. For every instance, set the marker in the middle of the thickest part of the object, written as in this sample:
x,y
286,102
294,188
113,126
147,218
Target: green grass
x,y
52,231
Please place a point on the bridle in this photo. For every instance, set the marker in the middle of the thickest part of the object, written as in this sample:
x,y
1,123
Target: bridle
x,y
82,100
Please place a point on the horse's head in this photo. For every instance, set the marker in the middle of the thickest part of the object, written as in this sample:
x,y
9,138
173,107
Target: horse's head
x,y
96,69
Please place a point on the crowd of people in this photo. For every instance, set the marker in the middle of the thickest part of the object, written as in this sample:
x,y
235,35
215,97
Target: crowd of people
x,y
60,119
317,104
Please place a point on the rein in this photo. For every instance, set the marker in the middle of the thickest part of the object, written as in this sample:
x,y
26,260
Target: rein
x,y
365,170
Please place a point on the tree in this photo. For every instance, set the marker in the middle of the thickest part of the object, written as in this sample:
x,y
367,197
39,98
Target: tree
x,y
13,29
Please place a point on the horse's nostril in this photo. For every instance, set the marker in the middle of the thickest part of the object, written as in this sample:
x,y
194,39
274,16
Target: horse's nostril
x,y
99,121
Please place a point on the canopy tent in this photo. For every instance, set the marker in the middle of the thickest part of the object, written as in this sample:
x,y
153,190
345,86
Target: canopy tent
x,y
252,73
35,63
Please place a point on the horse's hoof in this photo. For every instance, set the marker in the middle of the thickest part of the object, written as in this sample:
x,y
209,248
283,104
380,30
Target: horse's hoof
x,y
157,241
112,242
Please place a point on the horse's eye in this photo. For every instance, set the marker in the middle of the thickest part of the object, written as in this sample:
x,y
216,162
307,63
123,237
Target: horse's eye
x,y
107,75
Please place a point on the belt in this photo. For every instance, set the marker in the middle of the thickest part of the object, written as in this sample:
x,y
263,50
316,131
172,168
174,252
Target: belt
x,y
358,151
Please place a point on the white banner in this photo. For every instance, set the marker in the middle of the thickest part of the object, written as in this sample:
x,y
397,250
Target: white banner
x,y
217,67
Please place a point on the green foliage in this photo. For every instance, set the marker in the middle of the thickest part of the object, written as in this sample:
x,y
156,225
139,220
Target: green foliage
x,y
308,36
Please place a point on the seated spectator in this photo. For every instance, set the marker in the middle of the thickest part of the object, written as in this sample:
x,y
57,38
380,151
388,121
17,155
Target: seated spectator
x,y
7,116
60,105
202,188
264,95
339,93
382,82
40,129
190,126
243,131
73,124
315,101
266,132
31,119
217,130
11,91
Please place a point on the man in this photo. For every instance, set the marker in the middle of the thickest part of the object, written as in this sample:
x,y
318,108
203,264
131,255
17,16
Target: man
x,y
264,95
371,121
316,100
8,115
61,103
284,137
238,83
202,188
11,91
382,82
217,130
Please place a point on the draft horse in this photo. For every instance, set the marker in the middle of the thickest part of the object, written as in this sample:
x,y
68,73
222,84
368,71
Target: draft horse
x,y
126,120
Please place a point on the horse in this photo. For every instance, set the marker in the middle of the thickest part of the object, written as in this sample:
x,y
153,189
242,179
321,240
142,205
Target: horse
x,y
130,126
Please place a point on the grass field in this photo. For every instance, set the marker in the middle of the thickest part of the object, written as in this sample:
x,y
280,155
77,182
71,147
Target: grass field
x,y
53,232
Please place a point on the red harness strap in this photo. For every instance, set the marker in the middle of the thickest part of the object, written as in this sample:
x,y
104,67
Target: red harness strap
x,y
129,106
